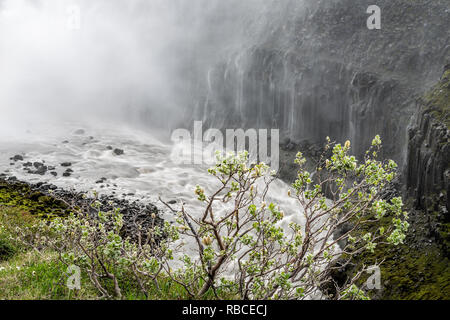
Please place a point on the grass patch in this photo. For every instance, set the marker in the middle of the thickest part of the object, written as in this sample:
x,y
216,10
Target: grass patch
x,y
7,249
38,276
10,218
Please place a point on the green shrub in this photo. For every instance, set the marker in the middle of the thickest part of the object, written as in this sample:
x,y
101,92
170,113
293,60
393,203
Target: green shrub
x,y
269,260
7,250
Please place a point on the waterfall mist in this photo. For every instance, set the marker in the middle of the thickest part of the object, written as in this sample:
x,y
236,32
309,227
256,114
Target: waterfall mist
x,y
130,61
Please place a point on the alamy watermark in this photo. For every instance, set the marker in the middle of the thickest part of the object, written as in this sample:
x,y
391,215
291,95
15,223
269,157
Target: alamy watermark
x,y
374,20
74,280
201,147
374,281
73,21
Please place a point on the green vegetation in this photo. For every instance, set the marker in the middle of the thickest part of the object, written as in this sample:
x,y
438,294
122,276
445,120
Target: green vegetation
x,y
420,269
273,261
437,100
411,273
24,273
30,275
11,218
21,196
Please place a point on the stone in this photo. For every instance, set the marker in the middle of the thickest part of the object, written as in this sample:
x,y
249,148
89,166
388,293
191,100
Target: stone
x,y
38,165
17,157
41,170
118,152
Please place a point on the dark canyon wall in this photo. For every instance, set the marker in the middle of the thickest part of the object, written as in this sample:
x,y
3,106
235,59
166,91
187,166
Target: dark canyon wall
x,y
428,166
314,69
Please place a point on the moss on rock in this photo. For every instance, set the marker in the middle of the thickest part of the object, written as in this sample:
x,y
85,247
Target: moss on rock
x,y
21,196
437,100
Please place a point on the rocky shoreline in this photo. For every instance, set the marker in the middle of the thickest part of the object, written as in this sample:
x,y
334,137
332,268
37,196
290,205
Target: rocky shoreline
x,y
47,200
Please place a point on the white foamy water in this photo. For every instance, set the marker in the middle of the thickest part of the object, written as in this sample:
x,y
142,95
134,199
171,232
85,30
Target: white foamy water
x,y
144,170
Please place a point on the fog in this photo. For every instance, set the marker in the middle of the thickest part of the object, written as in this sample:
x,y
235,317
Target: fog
x,y
132,61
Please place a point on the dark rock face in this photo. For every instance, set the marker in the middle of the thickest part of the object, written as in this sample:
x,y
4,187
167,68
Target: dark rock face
x,y
315,70
428,166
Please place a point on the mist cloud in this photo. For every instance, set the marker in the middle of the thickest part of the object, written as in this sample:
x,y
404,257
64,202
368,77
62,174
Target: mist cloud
x,y
130,58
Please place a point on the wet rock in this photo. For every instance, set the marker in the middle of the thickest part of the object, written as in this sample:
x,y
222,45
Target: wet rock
x,y
101,180
66,164
118,152
53,173
38,164
17,157
40,170
109,148
80,132
67,173
428,166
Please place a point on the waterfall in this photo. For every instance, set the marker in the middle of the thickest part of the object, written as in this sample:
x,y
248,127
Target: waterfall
x,y
286,64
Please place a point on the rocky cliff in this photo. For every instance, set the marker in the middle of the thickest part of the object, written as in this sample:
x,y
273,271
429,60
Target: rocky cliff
x,y
428,165
313,69
428,162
